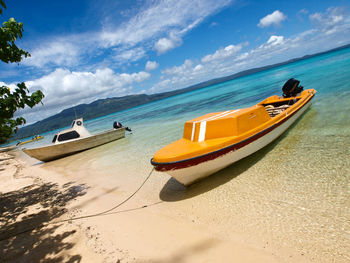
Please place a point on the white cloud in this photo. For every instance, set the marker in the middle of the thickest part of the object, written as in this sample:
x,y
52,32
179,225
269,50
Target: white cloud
x,y
303,11
275,40
178,70
151,65
174,16
64,88
129,55
174,39
222,53
272,19
56,53
163,45
242,56
330,21
198,67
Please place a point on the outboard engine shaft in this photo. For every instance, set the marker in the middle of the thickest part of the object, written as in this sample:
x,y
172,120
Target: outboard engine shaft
x,y
291,88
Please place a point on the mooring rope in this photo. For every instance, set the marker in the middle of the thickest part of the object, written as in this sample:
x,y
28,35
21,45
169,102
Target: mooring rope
x,y
110,209
91,215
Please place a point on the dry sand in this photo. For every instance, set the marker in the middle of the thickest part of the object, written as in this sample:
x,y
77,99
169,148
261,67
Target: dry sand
x,y
32,198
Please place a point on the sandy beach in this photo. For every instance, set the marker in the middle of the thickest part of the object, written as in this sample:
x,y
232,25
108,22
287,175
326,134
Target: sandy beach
x,y
144,229
223,75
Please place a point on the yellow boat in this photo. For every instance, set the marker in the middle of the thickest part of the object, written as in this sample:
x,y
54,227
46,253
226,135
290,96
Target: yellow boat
x,y
216,140
36,138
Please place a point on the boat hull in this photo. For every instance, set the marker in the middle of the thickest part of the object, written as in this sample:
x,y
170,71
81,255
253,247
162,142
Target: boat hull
x,y
192,170
56,151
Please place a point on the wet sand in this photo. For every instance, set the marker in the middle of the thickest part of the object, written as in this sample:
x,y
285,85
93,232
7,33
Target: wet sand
x,y
145,229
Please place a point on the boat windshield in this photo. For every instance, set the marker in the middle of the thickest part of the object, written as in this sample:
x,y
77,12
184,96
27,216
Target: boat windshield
x,y
73,124
68,136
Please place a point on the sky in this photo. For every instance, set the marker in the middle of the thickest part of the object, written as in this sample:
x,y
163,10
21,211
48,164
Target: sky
x,y
84,50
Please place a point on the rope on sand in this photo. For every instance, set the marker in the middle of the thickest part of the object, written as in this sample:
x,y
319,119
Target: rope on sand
x,y
87,216
110,209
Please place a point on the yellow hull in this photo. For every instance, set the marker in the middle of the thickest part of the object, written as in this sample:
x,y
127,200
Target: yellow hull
x,y
32,140
216,134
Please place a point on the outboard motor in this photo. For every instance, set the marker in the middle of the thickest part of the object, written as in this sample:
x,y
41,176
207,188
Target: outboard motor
x,y
117,125
291,88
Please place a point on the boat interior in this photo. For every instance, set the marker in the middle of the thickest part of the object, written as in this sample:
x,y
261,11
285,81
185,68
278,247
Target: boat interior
x,y
276,107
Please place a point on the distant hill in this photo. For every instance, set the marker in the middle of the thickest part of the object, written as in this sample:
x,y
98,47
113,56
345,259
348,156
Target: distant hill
x,y
103,107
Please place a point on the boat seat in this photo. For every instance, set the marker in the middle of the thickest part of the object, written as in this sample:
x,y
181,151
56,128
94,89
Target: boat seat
x,y
273,111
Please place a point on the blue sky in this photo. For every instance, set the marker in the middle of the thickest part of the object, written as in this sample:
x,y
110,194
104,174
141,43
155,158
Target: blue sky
x,y
85,50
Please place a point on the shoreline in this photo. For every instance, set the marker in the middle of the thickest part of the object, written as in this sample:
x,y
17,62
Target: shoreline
x,y
160,232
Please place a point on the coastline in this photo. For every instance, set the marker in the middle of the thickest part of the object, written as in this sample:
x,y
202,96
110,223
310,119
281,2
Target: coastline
x,y
159,232
89,111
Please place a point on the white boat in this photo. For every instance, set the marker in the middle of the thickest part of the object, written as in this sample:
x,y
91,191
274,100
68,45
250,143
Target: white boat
x,y
74,140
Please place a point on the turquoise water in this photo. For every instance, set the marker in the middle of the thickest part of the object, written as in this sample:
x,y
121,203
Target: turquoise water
x,y
159,123
293,193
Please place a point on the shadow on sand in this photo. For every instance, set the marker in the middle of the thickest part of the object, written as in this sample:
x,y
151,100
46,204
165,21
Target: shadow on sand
x,y
174,191
29,207
182,255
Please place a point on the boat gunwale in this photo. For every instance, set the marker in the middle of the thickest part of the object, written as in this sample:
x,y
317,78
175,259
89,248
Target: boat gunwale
x,y
175,165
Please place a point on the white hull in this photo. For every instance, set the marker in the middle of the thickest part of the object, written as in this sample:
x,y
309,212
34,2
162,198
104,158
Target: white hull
x,y
59,150
194,173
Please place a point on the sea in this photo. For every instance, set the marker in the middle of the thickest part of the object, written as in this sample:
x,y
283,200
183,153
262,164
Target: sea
x,y
293,193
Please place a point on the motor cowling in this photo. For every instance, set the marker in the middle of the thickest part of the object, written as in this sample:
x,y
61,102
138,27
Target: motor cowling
x,y
117,125
291,88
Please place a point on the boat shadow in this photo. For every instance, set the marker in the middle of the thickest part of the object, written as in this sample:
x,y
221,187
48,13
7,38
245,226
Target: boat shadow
x,y
174,191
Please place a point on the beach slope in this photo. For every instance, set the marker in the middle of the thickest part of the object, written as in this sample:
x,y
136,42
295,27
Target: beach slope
x,y
34,198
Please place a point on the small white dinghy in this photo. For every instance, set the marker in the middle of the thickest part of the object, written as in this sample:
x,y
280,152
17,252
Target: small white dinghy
x,y
74,140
